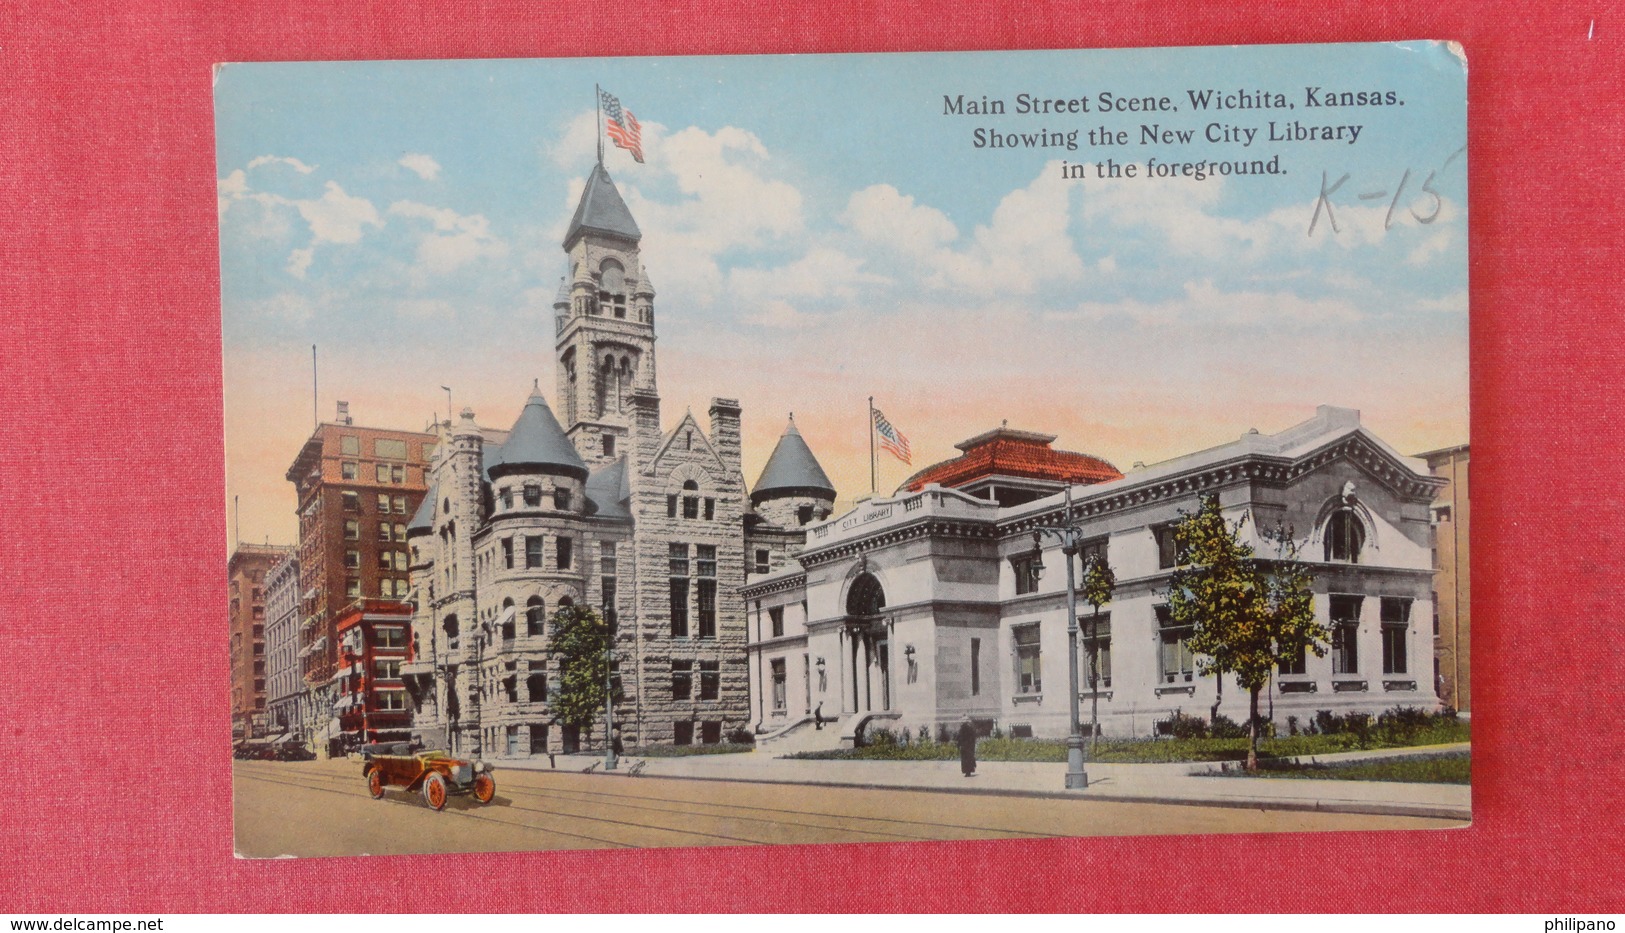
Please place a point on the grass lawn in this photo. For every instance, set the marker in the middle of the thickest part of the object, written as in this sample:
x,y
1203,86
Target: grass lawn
x,y
1139,751
1451,768
685,751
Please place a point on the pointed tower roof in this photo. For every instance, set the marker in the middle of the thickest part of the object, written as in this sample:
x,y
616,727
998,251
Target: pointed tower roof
x,y
791,469
423,518
601,211
537,443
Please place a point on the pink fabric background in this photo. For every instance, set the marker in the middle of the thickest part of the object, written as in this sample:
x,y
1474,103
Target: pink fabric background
x,y
113,693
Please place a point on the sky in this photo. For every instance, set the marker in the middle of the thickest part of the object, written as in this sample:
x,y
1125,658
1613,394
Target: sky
x,y
818,230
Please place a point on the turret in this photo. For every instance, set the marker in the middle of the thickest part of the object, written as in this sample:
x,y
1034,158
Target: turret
x,y
793,489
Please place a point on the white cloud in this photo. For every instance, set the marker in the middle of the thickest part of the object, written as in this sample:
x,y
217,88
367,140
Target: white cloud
x,y
289,161
780,314
1453,303
337,217
1024,246
1204,304
455,239
822,274
884,216
299,262
424,166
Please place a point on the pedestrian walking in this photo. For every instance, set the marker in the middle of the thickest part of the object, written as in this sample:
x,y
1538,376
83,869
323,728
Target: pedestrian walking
x,y
818,716
967,747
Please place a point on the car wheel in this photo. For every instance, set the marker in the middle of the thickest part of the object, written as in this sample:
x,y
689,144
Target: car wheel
x,y
375,783
434,791
485,787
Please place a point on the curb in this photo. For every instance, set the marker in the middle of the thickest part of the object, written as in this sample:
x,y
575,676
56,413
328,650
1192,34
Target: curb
x,y
1422,810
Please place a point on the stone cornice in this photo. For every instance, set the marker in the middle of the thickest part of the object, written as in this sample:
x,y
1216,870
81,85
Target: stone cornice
x,y
1247,468
777,585
929,526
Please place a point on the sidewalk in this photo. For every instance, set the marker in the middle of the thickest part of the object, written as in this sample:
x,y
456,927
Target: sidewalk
x,y
1173,783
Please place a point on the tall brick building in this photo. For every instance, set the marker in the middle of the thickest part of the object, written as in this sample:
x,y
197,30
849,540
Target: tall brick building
x,y
601,507
245,574
357,488
1452,620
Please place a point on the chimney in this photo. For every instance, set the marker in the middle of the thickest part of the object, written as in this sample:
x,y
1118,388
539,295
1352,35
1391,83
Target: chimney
x,y
344,413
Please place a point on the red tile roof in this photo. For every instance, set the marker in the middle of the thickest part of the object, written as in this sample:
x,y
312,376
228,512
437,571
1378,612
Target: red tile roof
x,y
1008,452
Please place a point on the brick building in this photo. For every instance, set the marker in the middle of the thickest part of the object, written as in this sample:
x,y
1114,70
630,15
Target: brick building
x,y
602,507
1452,622
374,642
357,488
245,574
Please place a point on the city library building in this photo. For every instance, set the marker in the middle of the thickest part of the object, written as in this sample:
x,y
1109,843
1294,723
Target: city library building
x,y
938,603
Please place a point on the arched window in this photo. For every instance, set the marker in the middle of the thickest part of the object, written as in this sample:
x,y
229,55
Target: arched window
x,y
508,620
612,289
451,630
1345,536
866,598
566,602
535,615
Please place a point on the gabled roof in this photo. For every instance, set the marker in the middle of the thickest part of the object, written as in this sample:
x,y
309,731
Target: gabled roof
x,y
791,468
537,443
1006,451
601,211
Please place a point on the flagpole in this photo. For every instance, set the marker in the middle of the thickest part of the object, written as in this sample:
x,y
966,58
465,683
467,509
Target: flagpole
x,y
598,119
873,485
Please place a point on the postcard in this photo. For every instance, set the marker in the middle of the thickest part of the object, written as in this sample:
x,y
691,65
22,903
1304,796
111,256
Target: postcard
x,y
1038,443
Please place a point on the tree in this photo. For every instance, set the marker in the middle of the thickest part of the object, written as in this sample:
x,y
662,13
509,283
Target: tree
x,y
581,641
1098,583
1247,614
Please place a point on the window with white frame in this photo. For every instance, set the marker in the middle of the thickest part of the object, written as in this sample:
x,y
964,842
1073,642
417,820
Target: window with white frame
x,y
1178,663
1345,625
1029,661
1396,622
1096,640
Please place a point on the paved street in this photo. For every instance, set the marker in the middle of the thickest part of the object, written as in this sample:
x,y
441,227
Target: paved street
x,y
322,808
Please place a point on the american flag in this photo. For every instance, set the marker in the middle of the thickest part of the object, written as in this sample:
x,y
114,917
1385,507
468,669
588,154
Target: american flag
x,y
891,439
621,126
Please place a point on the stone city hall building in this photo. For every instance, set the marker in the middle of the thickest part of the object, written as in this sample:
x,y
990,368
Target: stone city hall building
x,y
651,527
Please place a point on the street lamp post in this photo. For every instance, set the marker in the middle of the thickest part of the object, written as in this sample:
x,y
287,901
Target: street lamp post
x,y
610,762
478,751
1070,536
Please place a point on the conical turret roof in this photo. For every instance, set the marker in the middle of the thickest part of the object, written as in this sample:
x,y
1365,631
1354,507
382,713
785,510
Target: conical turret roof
x,y
792,468
538,443
601,211
423,518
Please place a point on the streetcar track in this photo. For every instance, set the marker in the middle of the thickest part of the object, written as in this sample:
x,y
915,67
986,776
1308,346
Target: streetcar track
x,y
557,815
483,818
645,800
575,796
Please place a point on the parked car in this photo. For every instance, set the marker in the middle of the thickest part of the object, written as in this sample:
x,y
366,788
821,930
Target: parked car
x,y
435,774
294,751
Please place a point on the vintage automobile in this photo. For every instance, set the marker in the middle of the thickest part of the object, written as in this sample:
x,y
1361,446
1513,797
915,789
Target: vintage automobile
x,y
437,775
